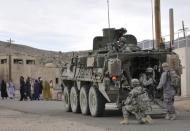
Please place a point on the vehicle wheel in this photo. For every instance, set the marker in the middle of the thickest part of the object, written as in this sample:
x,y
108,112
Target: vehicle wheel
x,y
84,101
96,102
66,100
74,98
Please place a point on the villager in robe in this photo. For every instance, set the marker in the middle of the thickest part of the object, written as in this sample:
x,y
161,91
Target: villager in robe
x,y
4,90
40,81
51,88
28,88
11,89
22,89
46,90
36,90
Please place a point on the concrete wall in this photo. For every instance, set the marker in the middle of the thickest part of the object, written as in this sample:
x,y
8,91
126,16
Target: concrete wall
x,y
27,70
34,71
4,69
184,55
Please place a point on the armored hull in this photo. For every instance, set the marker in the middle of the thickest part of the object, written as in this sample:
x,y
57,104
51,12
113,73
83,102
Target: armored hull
x,y
104,75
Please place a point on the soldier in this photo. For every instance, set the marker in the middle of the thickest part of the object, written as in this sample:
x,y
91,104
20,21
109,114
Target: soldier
x,y
168,91
119,45
148,81
136,103
122,41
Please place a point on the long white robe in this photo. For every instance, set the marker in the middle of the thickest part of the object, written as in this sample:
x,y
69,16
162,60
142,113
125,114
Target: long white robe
x,y
11,90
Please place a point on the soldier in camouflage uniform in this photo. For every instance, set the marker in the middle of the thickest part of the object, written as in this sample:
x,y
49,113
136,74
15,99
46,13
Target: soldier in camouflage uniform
x,y
168,91
147,80
119,45
136,103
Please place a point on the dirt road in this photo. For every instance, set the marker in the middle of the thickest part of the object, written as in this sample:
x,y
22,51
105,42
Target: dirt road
x,y
50,116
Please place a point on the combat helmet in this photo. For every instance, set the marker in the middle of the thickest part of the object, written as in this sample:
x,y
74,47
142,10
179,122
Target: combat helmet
x,y
122,39
135,82
165,66
149,70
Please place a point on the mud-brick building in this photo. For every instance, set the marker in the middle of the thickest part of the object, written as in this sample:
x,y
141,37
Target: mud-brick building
x,y
27,66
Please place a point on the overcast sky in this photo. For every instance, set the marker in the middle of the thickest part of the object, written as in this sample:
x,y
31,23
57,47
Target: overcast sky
x,y
71,25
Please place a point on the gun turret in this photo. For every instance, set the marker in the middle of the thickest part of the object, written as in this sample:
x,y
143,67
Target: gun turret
x,y
111,36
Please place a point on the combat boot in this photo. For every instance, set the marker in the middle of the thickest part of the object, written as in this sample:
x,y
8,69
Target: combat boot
x,y
124,121
142,120
148,119
173,117
167,117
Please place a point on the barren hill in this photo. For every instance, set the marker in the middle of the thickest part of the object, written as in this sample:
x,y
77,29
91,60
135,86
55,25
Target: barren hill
x,y
44,56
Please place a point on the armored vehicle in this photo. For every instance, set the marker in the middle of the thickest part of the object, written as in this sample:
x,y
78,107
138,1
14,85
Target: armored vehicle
x,y
104,75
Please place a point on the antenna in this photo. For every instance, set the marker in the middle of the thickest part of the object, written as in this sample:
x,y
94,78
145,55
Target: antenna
x,y
108,13
152,9
108,6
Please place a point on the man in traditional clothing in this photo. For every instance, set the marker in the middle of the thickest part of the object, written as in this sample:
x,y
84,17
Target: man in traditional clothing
x,y
11,89
40,82
3,90
51,88
36,90
22,89
46,90
28,88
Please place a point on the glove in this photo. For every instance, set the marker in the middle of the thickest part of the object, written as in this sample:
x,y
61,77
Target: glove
x,y
158,88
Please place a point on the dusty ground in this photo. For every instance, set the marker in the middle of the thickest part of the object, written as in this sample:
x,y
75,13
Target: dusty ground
x,y
50,116
17,121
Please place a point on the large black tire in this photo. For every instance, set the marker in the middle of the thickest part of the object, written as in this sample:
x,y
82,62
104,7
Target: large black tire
x,y
84,101
96,102
66,99
74,99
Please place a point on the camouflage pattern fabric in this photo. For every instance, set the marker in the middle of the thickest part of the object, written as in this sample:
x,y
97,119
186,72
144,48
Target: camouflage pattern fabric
x,y
136,103
168,92
148,83
169,103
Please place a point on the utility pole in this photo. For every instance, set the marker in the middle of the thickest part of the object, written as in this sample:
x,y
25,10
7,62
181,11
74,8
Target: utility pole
x,y
159,41
171,23
10,61
184,29
152,10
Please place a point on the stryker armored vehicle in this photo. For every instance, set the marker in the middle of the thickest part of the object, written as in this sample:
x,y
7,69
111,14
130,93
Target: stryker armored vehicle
x,y
104,75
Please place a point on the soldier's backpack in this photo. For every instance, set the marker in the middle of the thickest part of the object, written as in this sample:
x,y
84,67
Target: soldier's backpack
x,y
174,79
